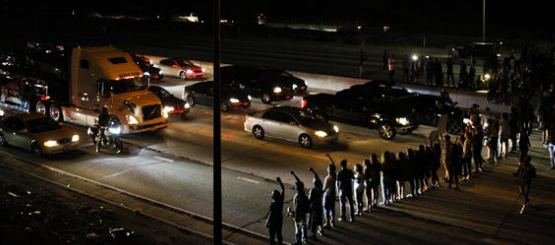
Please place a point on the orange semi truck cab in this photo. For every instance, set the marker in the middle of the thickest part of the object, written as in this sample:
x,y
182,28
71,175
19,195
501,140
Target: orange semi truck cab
x,y
107,77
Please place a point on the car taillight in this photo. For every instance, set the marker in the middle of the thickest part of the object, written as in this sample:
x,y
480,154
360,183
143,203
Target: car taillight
x,y
303,104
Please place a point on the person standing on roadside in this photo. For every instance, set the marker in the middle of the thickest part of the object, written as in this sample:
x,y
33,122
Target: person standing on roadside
x,y
406,67
372,174
450,76
391,68
438,73
524,175
274,221
329,194
344,185
524,145
301,209
462,75
385,58
452,158
504,134
358,184
430,71
471,75
316,219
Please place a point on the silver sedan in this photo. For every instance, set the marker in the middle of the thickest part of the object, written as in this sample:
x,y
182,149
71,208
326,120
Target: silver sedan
x,y
292,124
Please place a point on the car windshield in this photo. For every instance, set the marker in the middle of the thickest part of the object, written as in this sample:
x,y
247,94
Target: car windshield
x,y
129,85
184,62
41,125
305,117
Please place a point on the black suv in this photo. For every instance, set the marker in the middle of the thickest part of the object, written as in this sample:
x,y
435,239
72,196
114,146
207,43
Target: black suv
x,y
267,84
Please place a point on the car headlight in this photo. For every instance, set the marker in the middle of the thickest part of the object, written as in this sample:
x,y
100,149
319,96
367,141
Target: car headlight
x,y
147,73
321,134
336,128
203,70
50,143
75,138
131,120
277,90
189,71
234,100
114,130
187,105
249,97
295,86
402,120
166,111
161,72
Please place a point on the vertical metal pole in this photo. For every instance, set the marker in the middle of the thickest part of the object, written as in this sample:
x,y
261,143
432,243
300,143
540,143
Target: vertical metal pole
x,y
484,21
217,130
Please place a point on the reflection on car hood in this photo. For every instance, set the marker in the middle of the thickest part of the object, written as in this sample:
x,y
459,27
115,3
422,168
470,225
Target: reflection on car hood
x,y
57,134
320,125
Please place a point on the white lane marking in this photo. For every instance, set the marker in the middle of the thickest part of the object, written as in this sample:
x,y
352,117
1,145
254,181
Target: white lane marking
x,y
249,180
164,159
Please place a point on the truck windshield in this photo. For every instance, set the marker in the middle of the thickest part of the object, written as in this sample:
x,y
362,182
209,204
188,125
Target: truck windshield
x,y
129,85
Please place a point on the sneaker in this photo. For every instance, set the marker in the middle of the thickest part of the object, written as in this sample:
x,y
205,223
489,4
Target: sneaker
x,y
341,219
523,209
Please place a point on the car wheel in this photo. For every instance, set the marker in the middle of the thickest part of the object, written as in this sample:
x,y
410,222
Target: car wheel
x,y
305,141
453,128
3,141
41,108
320,116
37,150
224,107
266,98
191,100
56,113
386,131
258,132
183,75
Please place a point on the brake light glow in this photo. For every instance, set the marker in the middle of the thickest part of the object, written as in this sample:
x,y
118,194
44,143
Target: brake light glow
x,y
303,104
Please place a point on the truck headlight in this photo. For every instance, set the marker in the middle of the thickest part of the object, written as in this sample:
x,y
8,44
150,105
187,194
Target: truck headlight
x,y
75,138
50,143
277,90
131,120
336,129
321,134
234,100
402,120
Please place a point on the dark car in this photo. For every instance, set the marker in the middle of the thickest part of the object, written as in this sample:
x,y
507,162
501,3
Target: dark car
x,y
173,106
478,50
267,84
203,93
429,109
147,67
362,111
378,91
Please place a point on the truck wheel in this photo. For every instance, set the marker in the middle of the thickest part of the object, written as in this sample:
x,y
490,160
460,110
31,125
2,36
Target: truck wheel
x,y
41,108
266,98
386,131
305,141
258,132
56,113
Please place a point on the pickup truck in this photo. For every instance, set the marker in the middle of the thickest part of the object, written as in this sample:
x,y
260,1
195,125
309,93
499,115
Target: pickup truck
x,y
354,107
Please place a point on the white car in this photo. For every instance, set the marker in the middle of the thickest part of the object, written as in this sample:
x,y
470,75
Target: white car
x,y
181,68
292,124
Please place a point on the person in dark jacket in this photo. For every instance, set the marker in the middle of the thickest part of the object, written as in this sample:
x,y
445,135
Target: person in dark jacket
x,y
315,196
452,159
436,164
372,174
412,171
524,145
301,211
274,221
524,176
103,121
345,187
